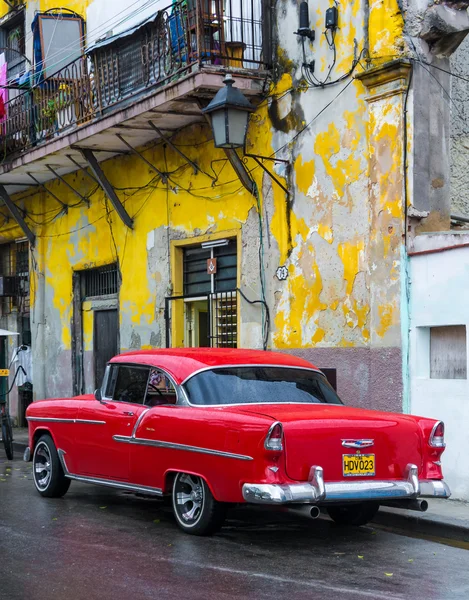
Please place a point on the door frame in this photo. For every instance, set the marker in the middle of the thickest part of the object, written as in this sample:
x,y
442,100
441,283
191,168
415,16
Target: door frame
x,y
175,325
108,302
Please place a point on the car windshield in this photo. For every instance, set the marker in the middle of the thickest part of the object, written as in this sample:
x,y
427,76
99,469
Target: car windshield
x,y
259,384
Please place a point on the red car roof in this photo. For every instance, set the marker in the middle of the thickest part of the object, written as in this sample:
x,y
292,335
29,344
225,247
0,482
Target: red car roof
x,y
182,362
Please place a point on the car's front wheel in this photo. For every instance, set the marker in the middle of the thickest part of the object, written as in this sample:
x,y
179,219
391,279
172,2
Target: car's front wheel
x,y
353,514
196,510
49,477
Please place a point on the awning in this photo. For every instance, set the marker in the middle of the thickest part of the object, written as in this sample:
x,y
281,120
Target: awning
x,y
123,34
6,332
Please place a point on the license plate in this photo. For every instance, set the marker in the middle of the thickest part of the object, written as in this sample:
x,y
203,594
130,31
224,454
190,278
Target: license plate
x,y
358,465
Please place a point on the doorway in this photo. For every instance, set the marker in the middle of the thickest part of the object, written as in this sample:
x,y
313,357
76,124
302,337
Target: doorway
x,y
197,323
105,341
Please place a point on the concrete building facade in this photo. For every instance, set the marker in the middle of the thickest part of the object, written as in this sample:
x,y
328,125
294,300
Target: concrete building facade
x,y
123,197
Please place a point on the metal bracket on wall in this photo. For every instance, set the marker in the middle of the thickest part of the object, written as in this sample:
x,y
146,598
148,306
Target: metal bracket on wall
x,y
164,177
175,148
43,187
82,198
82,168
239,168
16,214
107,187
259,160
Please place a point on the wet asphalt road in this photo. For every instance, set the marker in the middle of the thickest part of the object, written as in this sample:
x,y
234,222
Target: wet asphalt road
x,y
99,544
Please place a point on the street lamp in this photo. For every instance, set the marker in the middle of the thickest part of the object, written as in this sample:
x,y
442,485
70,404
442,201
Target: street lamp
x,y
229,111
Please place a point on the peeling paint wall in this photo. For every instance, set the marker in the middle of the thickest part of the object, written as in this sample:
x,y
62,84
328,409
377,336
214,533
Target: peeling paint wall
x,y
339,233
460,131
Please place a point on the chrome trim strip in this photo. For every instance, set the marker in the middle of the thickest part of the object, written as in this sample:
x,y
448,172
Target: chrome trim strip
x,y
228,366
107,482
265,404
137,422
62,454
57,420
50,419
173,446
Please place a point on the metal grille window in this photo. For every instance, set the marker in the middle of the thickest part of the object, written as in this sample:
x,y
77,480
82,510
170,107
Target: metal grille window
x,y
197,280
14,277
224,320
101,281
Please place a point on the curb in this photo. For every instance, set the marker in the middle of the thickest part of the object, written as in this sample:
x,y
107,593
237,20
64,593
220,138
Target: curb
x,y
434,527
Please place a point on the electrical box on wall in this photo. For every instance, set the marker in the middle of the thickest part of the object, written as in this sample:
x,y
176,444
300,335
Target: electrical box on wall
x,y
332,18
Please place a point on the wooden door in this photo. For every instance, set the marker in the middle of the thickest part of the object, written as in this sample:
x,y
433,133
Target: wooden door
x,y
105,341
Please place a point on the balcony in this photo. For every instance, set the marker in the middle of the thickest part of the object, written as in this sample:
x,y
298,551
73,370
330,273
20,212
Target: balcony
x,y
129,89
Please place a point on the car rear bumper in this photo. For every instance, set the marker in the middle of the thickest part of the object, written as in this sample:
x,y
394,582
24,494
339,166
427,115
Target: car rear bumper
x,y
316,491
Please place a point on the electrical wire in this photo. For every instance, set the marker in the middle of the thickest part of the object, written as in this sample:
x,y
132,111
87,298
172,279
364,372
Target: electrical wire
x,y
20,368
312,120
266,324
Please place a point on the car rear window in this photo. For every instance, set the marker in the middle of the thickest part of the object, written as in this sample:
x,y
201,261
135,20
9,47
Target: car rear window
x,y
259,384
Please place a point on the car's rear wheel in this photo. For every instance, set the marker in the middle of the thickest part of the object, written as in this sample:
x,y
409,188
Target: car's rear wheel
x,y
195,509
353,514
49,477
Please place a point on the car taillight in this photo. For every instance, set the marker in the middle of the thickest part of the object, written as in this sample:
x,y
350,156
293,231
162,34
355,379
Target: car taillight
x,y
437,436
274,439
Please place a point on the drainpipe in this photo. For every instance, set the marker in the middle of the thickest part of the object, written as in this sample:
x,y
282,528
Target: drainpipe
x,y
38,339
366,35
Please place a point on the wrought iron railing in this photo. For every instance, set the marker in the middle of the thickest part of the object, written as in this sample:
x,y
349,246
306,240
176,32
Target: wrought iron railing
x,y
50,106
228,33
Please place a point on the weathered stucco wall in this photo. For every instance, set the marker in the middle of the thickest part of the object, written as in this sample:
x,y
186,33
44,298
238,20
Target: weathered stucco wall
x,y
339,233
460,131
439,293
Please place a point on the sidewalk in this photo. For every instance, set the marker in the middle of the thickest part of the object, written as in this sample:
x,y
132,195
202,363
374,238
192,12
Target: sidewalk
x,y
20,439
447,519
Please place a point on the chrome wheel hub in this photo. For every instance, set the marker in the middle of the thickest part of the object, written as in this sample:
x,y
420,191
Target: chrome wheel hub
x,y
42,466
189,498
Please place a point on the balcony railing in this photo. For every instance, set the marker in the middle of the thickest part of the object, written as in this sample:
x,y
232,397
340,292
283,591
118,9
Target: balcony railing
x,y
185,35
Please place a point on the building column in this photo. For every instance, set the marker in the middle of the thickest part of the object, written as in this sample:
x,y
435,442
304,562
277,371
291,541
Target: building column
x,y
387,89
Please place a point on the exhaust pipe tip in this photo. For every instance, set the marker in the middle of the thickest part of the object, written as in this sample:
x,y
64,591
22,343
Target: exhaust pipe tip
x,y
423,505
314,512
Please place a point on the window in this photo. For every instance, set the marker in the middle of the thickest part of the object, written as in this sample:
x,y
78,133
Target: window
x,y
101,281
12,41
259,384
160,389
58,40
127,383
197,279
448,352
139,385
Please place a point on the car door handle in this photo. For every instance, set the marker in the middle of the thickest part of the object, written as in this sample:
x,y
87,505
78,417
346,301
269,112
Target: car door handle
x,y
128,413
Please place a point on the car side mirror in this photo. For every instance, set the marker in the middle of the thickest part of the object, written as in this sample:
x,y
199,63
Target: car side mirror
x,y
98,395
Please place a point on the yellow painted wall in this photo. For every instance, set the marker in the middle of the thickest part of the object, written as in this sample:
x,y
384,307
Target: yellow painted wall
x,y
325,233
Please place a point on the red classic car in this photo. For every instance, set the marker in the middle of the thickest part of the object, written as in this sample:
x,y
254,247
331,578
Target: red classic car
x,y
212,427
